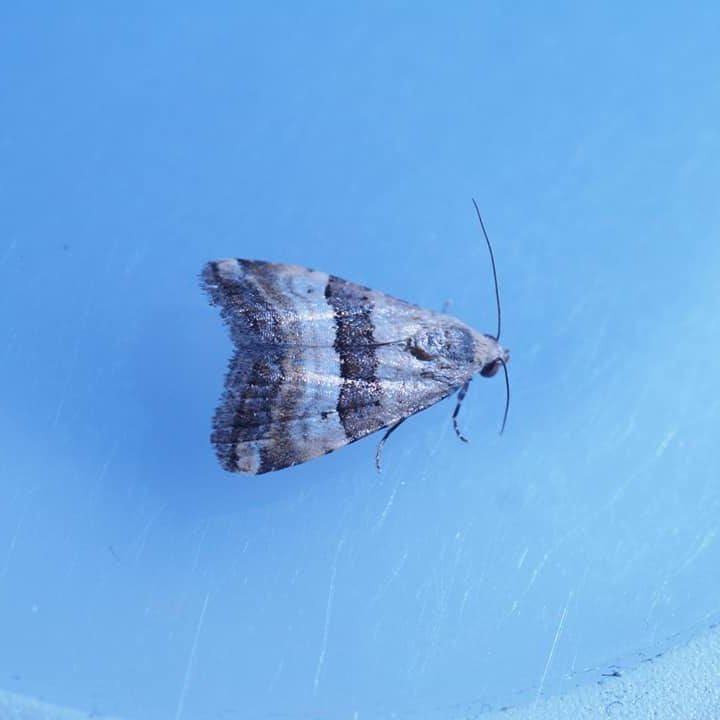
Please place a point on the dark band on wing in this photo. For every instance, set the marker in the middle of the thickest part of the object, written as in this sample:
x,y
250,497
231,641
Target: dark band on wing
x,y
253,310
244,414
360,394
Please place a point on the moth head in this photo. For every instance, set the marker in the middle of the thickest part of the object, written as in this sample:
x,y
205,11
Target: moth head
x,y
499,357
493,356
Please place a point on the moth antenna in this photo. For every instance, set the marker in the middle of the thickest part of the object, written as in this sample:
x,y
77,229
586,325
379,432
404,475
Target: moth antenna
x,y
507,396
461,396
388,433
492,261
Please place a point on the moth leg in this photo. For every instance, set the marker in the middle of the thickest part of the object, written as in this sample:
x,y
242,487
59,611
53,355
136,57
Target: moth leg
x,y
460,397
388,433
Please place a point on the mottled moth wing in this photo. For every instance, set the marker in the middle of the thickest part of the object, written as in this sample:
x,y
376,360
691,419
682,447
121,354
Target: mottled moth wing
x,y
321,362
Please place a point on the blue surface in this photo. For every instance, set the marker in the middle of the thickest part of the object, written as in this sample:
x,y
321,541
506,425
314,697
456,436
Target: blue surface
x,y
136,577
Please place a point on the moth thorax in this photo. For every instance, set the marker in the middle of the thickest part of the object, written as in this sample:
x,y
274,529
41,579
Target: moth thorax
x,y
445,341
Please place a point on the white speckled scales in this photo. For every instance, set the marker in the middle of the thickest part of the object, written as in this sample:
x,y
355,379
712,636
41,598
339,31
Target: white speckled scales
x,y
321,362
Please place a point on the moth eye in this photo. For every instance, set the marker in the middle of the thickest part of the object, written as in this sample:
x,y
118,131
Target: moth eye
x,y
491,368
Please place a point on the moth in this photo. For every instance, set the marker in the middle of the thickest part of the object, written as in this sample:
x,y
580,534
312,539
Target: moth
x,y
321,362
